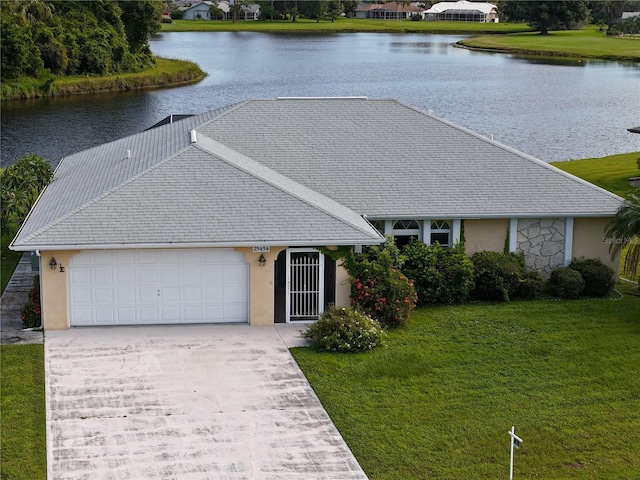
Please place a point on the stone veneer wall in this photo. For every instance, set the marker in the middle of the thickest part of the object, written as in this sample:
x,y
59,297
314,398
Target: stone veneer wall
x,y
542,242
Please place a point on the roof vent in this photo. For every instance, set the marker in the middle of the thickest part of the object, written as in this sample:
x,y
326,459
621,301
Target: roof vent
x,y
128,154
194,137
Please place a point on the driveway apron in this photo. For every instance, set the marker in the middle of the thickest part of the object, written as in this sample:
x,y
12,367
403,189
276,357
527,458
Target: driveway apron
x,y
185,402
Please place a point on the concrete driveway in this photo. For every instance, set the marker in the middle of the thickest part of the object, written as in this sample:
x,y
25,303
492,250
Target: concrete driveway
x,y
185,402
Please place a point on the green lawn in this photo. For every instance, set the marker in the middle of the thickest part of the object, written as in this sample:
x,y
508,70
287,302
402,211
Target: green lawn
x,y
439,400
341,25
587,43
611,173
22,413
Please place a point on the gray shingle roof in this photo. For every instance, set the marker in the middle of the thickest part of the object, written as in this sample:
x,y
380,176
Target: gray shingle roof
x,y
295,171
384,159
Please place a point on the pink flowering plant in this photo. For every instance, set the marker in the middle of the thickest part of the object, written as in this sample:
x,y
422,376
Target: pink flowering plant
x,y
31,312
378,286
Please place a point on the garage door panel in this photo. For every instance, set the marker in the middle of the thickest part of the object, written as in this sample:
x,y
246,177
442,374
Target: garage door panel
x,y
214,313
103,258
126,276
146,257
214,294
81,316
80,276
103,276
104,296
126,316
147,275
235,274
193,314
105,316
234,313
170,314
158,287
191,275
123,257
148,314
147,295
125,295
82,296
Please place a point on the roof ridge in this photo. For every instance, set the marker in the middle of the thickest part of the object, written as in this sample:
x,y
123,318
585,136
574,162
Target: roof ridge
x,y
277,180
100,197
512,150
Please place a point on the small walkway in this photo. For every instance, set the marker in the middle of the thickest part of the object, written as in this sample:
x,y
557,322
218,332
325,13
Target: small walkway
x,y
13,297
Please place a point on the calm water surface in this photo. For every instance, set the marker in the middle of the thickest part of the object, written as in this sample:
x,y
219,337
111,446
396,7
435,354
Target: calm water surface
x,y
552,109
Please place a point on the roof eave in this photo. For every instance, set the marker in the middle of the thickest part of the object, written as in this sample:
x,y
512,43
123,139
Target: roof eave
x,y
257,243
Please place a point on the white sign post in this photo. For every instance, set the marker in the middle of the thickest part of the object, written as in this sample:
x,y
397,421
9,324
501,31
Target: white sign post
x,y
515,442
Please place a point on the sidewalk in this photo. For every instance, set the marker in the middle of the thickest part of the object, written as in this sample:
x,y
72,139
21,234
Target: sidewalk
x,y
14,296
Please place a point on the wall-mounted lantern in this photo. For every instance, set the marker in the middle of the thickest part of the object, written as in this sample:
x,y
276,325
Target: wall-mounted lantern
x,y
262,260
53,264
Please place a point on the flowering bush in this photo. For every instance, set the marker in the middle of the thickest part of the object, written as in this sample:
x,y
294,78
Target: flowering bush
x,y
30,313
378,287
345,330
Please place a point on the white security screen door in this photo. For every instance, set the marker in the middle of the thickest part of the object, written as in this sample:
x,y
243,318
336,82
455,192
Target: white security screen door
x,y
305,284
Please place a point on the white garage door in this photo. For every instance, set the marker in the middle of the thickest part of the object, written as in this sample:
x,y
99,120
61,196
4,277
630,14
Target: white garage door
x,y
132,287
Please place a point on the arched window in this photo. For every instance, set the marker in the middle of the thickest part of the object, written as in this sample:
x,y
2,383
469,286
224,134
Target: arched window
x,y
406,230
440,232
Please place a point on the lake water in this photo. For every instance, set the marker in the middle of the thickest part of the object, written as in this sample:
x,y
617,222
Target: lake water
x,y
554,109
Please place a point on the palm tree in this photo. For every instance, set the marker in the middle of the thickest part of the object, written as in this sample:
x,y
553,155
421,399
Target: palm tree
x,y
624,230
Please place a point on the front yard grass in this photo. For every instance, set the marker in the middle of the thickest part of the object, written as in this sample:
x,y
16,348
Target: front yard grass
x,y
439,400
22,413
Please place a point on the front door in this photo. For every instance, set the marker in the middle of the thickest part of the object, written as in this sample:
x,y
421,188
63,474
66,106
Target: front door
x,y
305,285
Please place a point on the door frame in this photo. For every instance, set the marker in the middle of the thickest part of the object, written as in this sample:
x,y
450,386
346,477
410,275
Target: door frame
x,y
320,280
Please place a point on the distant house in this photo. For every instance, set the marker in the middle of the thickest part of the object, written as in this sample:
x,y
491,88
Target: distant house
x,y
462,11
224,216
197,11
202,11
626,15
388,11
251,12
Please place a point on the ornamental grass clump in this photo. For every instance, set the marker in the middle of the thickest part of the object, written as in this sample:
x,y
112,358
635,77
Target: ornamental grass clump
x,y
341,329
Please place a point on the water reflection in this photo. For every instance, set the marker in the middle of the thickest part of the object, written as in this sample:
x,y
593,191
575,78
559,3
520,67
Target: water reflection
x,y
544,107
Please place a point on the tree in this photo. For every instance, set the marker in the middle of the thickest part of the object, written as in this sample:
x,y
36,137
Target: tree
x,y
314,9
546,15
624,231
22,182
141,18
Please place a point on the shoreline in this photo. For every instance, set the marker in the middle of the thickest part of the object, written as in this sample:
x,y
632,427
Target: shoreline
x,y
167,73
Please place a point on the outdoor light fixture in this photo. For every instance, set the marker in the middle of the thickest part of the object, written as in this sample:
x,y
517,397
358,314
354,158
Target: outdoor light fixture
x,y
53,263
262,260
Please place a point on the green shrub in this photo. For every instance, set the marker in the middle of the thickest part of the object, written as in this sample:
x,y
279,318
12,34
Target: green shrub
x,y
530,286
378,287
497,275
439,274
599,279
566,282
30,313
345,330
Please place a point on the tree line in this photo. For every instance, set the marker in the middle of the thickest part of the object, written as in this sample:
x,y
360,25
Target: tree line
x,y
564,14
76,37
